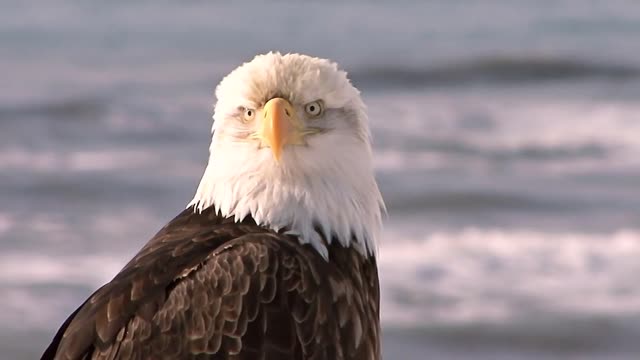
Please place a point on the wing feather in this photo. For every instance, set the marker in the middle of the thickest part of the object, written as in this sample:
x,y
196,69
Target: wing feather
x,y
207,288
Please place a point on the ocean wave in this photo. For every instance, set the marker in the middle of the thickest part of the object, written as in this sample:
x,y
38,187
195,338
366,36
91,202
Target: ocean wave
x,y
524,151
555,336
39,290
495,276
470,200
77,108
536,132
448,278
490,70
27,269
78,160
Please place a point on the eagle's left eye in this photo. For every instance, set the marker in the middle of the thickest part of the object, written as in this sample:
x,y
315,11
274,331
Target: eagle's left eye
x,y
314,108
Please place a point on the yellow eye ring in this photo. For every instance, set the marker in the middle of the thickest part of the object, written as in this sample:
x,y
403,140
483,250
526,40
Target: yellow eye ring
x,y
314,108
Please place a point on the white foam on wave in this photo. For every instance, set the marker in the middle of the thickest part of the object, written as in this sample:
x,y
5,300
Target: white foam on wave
x,y
450,277
81,160
28,269
38,291
40,287
6,223
493,275
568,134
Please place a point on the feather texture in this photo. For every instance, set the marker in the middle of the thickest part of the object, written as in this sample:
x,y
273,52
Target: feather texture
x,y
206,287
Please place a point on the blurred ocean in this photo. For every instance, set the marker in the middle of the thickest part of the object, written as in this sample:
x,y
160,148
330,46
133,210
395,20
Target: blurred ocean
x,y
507,146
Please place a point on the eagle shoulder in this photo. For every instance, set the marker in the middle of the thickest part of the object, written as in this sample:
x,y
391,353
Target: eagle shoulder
x,y
229,291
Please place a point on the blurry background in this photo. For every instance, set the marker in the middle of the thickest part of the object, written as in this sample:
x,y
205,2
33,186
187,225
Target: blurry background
x,y
507,146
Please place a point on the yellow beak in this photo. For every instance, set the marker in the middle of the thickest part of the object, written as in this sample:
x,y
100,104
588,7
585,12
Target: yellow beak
x,y
280,126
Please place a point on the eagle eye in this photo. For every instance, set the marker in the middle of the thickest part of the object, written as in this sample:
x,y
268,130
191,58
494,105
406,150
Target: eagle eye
x,y
248,114
314,108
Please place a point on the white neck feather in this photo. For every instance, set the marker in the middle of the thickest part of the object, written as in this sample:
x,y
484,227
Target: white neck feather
x,y
331,188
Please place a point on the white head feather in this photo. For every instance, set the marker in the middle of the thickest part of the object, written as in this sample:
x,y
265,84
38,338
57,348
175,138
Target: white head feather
x,y
327,184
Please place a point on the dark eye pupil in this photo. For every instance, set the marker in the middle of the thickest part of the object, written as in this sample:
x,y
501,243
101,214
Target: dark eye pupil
x,y
249,113
312,108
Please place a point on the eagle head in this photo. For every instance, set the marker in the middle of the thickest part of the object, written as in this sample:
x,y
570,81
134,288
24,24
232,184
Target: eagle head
x,y
291,148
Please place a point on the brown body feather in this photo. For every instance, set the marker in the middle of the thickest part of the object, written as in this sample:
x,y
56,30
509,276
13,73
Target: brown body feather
x,y
206,287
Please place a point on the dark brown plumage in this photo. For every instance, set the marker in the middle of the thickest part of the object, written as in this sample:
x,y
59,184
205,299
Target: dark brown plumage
x,y
206,287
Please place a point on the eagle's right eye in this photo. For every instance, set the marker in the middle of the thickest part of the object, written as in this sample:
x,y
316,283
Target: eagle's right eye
x,y
248,115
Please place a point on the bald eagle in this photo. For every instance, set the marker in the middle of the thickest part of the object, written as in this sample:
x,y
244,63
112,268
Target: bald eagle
x,y
275,256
